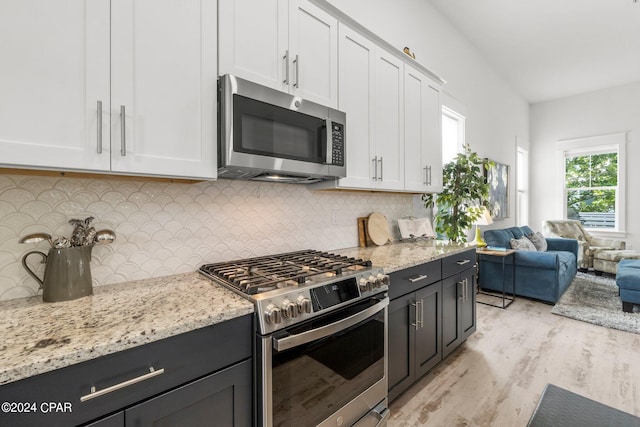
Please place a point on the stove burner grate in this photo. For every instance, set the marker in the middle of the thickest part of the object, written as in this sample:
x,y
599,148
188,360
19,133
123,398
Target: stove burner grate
x,y
261,274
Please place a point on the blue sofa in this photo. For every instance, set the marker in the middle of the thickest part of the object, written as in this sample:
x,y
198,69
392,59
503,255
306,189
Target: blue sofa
x,y
540,275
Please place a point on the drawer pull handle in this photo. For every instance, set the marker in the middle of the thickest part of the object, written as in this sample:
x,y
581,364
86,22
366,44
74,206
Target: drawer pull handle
x,y
463,262
152,373
417,278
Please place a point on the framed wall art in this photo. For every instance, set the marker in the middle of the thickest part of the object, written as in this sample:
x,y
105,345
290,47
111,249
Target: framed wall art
x,y
497,177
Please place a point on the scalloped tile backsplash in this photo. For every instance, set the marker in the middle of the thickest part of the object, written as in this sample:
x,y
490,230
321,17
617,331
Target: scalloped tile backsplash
x,y
168,228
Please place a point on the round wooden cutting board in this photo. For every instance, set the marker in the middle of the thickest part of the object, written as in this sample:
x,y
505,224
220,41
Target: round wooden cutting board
x,y
378,229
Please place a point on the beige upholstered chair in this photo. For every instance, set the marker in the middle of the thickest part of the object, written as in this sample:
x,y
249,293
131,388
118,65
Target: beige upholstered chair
x,y
587,244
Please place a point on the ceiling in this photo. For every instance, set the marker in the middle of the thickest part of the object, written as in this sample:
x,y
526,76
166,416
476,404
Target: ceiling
x,y
549,49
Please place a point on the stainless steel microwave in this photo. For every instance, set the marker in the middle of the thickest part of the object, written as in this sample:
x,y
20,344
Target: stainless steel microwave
x,y
270,135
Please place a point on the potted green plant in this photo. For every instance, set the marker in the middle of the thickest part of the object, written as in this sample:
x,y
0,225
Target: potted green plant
x,y
464,193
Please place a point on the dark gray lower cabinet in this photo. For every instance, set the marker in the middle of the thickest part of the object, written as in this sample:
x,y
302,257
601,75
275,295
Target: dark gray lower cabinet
x,y
459,308
220,399
202,377
429,316
458,299
414,336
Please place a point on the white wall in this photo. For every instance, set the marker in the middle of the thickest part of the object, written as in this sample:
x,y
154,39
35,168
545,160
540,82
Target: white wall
x,y
496,114
608,111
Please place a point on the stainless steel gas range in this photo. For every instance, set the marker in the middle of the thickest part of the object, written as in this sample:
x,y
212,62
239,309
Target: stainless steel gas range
x,y
321,336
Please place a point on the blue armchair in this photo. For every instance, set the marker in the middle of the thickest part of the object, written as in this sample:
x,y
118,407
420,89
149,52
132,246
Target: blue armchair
x,y
540,275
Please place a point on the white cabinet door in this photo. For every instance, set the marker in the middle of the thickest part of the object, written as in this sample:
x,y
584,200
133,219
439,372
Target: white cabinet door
x,y
313,53
55,70
163,94
388,120
357,56
253,40
422,142
432,145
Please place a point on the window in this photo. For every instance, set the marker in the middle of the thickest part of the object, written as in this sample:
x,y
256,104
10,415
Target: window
x,y
452,134
594,182
522,186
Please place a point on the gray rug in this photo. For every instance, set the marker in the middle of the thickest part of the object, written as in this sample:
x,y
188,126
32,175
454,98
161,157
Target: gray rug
x,y
594,299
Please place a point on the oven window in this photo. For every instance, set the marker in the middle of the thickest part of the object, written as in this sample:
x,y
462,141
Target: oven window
x,y
269,130
312,381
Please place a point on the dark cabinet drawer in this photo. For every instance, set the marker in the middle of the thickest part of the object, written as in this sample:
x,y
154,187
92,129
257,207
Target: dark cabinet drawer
x,y
458,263
183,358
411,279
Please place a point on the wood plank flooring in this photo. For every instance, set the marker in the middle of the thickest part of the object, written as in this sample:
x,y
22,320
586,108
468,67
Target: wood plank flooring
x,y
498,375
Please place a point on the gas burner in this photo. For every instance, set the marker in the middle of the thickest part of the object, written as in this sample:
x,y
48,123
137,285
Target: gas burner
x,y
256,275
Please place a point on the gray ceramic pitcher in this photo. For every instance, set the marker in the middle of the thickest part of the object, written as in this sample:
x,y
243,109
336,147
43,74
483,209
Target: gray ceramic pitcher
x,y
67,274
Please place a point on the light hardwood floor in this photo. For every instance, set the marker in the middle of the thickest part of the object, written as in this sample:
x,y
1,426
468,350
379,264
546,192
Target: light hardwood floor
x,y
497,376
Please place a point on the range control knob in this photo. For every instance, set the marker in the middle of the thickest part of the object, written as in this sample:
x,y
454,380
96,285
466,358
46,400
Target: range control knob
x,y
365,285
273,314
382,280
304,304
289,309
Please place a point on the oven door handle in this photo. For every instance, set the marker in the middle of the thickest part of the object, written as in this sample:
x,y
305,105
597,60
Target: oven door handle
x,y
281,344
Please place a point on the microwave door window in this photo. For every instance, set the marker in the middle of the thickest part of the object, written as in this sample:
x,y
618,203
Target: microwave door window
x,y
272,131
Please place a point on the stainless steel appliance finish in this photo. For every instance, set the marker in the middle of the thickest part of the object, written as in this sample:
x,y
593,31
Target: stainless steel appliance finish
x,y
321,336
270,135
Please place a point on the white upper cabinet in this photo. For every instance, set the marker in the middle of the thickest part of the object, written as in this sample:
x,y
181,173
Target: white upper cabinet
x,y
54,74
74,70
254,40
357,88
163,94
371,95
313,53
288,45
422,132
389,130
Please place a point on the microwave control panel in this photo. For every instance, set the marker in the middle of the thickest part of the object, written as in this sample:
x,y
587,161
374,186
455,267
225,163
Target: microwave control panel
x,y
337,143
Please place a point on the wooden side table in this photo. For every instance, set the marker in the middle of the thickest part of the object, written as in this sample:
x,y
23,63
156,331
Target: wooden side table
x,y
507,299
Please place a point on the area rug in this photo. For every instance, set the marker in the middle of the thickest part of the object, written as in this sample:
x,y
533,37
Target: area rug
x,y
595,299
560,407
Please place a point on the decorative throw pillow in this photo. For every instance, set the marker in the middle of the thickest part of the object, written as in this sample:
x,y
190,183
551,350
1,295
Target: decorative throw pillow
x,y
522,244
538,241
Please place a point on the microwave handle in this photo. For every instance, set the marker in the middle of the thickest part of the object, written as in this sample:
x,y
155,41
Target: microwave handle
x,y
328,140
281,344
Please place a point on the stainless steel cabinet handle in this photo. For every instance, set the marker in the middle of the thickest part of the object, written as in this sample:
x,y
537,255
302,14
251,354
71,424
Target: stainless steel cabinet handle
x,y
418,278
99,126
375,168
93,394
425,176
421,321
297,62
381,177
428,175
286,67
415,325
461,297
463,261
123,131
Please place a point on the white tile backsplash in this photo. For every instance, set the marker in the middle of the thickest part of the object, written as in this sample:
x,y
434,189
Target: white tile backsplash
x,y
166,228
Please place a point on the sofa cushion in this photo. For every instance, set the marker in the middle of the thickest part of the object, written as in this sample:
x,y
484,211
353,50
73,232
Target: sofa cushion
x,y
500,238
628,278
538,241
522,244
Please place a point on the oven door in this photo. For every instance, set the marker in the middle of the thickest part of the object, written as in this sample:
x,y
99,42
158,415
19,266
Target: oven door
x,y
331,370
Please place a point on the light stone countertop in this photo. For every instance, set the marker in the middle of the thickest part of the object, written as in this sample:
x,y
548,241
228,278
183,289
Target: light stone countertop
x,y
39,337
400,255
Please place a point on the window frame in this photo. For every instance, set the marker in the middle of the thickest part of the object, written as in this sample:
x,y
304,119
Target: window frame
x,y
460,120
599,145
522,186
